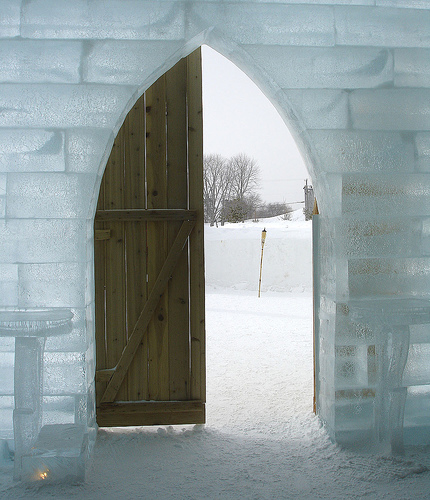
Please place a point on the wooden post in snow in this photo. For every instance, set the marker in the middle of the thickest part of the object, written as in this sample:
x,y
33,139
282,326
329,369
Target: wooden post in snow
x,y
263,239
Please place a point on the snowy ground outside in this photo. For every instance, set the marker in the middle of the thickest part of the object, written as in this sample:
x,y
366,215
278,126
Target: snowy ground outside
x,y
261,440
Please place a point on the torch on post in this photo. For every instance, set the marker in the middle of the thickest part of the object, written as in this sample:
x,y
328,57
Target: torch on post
x,y
263,239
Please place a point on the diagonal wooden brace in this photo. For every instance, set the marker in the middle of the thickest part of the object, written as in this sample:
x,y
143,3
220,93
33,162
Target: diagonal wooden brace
x,y
147,312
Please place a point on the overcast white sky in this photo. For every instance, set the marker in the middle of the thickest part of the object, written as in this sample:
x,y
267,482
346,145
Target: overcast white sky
x,y
238,118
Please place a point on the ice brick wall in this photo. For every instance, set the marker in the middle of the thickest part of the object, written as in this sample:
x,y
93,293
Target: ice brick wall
x,y
350,77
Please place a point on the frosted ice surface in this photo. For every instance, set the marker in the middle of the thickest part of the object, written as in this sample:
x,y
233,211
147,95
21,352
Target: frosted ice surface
x,y
52,285
42,240
422,144
85,148
27,417
410,4
389,277
339,67
127,62
34,61
417,413
8,285
417,370
64,373
27,372
35,105
393,109
10,16
351,367
411,67
342,151
382,27
76,341
115,19
42,195
420,334
31,150
380,237
278,24
59,454
2,184
58,408
90,368
306,2
350,418
6,416
377,195
6,375
7,344
325,108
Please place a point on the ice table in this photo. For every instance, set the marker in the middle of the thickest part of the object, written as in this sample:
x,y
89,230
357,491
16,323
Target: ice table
x,y
391,319
30,327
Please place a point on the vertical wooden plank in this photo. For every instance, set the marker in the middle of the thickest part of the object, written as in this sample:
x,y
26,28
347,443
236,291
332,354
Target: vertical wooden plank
x,y
101,200
197,283
99,281
135,245
115,258
156,180
134,154
177,197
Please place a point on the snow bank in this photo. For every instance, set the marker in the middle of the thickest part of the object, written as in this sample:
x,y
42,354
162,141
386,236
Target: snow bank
x,y
233,252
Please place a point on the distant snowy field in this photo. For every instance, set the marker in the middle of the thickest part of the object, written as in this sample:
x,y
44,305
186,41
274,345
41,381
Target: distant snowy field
x,y
261,440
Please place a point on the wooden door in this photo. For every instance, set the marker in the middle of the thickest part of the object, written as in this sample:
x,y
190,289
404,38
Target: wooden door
x,y
149,267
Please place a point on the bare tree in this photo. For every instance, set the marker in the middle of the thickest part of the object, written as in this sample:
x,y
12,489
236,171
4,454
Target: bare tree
x,y
245,176
229,188
273,209
217,186
239,210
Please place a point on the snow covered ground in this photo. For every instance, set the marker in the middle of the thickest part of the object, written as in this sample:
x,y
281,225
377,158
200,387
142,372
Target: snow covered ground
x,y
261,440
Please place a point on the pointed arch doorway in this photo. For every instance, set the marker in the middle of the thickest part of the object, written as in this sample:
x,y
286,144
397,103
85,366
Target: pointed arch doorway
x,y
149,269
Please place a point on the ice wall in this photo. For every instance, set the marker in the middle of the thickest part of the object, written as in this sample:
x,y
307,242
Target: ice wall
x,y
351,78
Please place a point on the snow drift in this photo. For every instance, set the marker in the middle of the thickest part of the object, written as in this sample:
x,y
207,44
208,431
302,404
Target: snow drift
x,y
233,254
